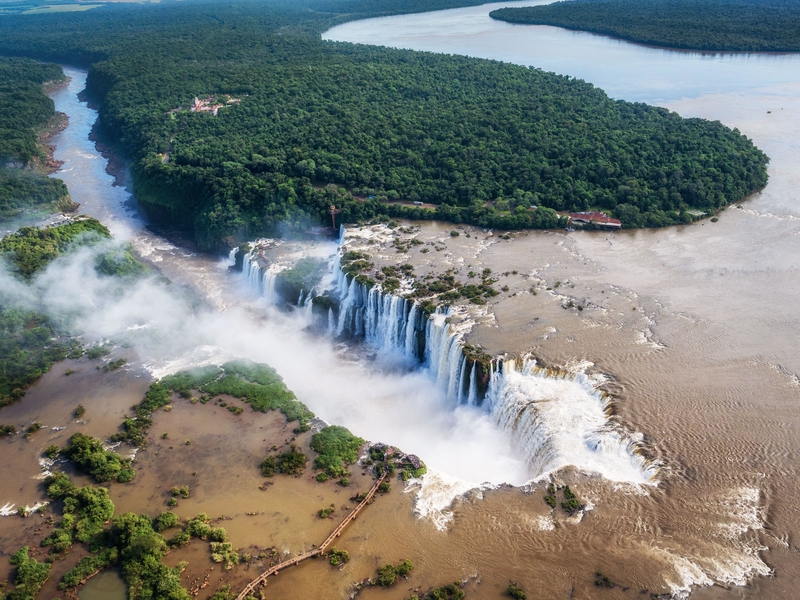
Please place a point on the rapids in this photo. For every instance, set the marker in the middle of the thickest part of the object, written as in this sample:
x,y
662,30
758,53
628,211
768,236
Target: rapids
x,y
555,418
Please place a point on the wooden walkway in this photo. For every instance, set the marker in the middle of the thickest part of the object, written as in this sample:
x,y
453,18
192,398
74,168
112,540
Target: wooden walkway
x,y
261,579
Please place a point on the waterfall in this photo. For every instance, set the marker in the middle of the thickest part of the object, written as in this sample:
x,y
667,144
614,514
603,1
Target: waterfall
x,y
308,305
559,419
555,419
261,281
331,322
472,397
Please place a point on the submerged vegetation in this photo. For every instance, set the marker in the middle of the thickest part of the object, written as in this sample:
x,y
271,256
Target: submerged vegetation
x,y
32,248
24,112
257,384
29,346
741,25
571,504
337,449
451,591
388,574
89,455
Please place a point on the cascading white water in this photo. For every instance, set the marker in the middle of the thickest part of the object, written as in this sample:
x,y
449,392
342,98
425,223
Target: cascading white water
x,y
560,420
554,420
261,281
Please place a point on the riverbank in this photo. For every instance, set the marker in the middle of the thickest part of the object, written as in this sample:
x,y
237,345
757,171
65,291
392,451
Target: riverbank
x,y
697,25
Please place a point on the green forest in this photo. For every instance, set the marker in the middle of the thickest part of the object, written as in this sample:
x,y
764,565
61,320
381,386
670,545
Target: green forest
x,y
24,111
723,25
29,342
305,124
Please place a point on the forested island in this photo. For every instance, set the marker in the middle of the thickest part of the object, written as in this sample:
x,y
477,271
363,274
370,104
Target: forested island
x,y
318,123
25,111
714,25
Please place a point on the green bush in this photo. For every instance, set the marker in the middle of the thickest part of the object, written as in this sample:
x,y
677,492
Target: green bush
x,y
451,591
85,512
268,466
291,462
87,454
88,566
337,448
29,577
338,557
387,575
164,521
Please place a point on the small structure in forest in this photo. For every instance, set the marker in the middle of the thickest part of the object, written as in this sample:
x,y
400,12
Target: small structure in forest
x,y
210,104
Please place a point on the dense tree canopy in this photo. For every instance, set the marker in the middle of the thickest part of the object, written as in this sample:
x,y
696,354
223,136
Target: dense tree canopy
x,y
32,248
24,110
322,123
750,25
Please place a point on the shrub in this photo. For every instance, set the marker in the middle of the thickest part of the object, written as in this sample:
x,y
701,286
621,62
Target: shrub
x,y
87,454
164,521
85,512
338,557
79,411
182,491
451,591
52,451
32,428
516,592
223,552
291,462
29,577
386,575
268,466
337,447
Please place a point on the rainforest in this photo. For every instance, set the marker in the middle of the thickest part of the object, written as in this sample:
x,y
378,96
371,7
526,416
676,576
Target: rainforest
x,y
304,124
738,25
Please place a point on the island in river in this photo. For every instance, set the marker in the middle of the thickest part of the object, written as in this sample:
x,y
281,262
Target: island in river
x,y
709,25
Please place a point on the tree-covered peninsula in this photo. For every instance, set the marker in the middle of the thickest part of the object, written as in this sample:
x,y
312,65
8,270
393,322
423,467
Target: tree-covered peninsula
x,y
239,121
724,25
25,112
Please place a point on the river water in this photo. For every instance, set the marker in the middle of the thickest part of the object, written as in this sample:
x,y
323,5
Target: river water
x,y
694,326
714,388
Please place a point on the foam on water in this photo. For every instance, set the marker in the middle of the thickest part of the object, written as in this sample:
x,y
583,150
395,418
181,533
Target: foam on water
x,y
559,420
436,493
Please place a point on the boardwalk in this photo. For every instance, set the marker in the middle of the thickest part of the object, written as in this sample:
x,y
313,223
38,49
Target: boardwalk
x,y
316,551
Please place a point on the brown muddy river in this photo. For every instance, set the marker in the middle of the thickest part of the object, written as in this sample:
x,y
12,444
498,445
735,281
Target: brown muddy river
x,y
694,328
